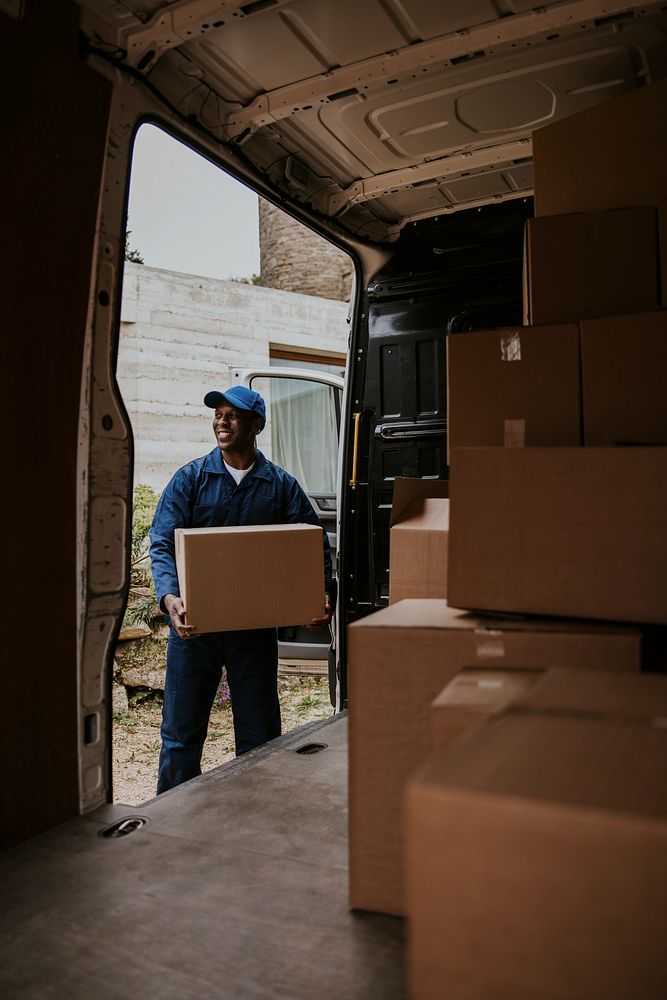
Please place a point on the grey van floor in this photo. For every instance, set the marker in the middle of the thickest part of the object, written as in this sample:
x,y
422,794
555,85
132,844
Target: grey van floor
x,y
236,887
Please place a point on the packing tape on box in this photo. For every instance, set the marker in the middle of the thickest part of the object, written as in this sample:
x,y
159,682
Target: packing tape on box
x,y
489,644
510,347
515,433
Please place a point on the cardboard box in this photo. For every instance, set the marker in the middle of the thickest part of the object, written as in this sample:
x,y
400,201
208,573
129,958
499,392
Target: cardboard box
x,y
419,526
513,387
256,576
623,365
537,862
472,696
399,659
592,264
580,532
662,245
613,155
592,692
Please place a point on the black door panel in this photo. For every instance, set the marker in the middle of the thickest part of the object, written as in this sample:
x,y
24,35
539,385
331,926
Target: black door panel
x,y
461,273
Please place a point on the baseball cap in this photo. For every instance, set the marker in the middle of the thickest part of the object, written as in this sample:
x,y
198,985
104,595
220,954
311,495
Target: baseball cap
x,y
239,396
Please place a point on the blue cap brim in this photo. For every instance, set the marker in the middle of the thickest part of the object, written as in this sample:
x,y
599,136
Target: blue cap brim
x,y
214,398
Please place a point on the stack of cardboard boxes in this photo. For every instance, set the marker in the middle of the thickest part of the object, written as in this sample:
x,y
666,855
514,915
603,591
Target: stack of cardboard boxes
x,y
531,860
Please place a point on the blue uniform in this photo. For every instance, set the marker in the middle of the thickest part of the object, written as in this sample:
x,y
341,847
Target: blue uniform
x,y
203,494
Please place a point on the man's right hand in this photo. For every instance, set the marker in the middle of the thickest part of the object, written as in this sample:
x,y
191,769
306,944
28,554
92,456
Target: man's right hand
x,y
176,610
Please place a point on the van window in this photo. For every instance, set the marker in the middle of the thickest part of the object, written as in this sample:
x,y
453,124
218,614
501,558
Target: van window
x,y
301,433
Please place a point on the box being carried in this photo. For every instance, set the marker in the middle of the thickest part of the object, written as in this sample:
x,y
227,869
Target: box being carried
x,y
250,576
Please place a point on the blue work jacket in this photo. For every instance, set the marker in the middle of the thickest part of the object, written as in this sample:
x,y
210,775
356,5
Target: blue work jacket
x,y
202,494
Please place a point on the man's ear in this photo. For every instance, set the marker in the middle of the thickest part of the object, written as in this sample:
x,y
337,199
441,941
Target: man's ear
x,y
256,425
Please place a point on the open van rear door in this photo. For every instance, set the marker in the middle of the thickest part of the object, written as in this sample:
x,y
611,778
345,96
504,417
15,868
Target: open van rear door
x,y
303,410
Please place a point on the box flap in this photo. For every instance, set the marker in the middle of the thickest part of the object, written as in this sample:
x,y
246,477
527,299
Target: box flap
x,y
561,759
407,489
475,688
597,692
425,514
436,613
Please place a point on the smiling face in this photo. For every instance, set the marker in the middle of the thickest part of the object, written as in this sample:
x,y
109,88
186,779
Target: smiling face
x,y
235,432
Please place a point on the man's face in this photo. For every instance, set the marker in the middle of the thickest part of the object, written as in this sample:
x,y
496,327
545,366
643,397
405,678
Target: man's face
x,y
234,429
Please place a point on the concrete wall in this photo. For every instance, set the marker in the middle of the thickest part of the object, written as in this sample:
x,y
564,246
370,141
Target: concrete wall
x,y
181,334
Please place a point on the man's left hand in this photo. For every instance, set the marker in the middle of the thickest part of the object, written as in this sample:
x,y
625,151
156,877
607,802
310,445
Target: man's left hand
x,y
326,618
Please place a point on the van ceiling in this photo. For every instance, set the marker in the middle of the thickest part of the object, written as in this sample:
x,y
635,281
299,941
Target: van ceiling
x,y
374,113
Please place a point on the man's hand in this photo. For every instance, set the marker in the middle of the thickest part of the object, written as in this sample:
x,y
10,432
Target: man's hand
x,y
326,619
176,610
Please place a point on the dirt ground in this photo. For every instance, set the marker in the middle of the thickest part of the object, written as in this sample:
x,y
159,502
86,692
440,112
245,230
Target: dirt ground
x,y
136,734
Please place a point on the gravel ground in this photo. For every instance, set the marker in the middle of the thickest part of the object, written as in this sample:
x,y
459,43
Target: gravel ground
x,y
136,734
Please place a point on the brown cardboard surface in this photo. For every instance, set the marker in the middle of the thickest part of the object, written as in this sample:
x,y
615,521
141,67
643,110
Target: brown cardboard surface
x,y
418,551
399,659
561,531
624,363
593,692
472,696
540,842
609,156
592,264
408,489
514,386
256,576
662,250
418,539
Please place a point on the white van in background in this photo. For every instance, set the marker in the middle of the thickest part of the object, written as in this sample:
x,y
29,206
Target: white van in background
x,y
303,420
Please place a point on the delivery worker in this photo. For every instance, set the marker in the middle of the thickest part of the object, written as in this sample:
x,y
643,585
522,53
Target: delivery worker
x,y
234,484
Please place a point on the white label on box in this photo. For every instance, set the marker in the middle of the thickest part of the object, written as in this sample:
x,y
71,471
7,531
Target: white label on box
x,y
510,347
490,644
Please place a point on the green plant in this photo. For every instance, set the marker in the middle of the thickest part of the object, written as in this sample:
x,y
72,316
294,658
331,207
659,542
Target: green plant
x,y
308,702
143,510
145,609
143,605
255,279
131,254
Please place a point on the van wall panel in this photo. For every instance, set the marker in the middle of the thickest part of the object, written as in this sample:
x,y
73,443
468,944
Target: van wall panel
x,y
55,132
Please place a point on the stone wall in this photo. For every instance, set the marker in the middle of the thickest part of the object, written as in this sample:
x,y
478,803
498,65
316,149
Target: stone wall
x,y
180,336
295,259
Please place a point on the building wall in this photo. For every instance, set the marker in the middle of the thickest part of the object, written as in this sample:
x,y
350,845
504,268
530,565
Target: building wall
x,y
295,259
180,336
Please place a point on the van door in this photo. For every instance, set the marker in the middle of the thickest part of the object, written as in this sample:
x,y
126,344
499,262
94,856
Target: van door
x,y
303,418
455,274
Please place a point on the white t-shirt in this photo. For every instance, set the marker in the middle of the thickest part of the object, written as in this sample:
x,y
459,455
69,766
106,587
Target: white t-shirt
x,y
238,474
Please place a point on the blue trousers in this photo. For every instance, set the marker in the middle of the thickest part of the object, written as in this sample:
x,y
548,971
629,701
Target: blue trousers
x,y
194,669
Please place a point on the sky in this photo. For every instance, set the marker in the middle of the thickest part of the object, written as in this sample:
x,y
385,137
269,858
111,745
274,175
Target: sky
x,y
186,214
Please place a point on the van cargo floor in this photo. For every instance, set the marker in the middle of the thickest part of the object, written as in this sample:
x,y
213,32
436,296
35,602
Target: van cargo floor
x,y
236,887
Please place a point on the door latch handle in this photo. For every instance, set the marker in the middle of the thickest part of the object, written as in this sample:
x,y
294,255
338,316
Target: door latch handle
x,y
355,448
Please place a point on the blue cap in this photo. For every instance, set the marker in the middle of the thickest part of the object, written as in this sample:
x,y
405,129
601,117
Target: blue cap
x,y
239,396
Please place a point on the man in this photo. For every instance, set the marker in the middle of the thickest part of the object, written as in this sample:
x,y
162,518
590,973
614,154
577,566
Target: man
x,y
234,484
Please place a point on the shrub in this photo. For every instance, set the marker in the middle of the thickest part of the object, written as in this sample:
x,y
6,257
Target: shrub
x,y
142,605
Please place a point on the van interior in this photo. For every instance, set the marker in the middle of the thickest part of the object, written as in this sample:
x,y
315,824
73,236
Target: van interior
x,y
401,131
